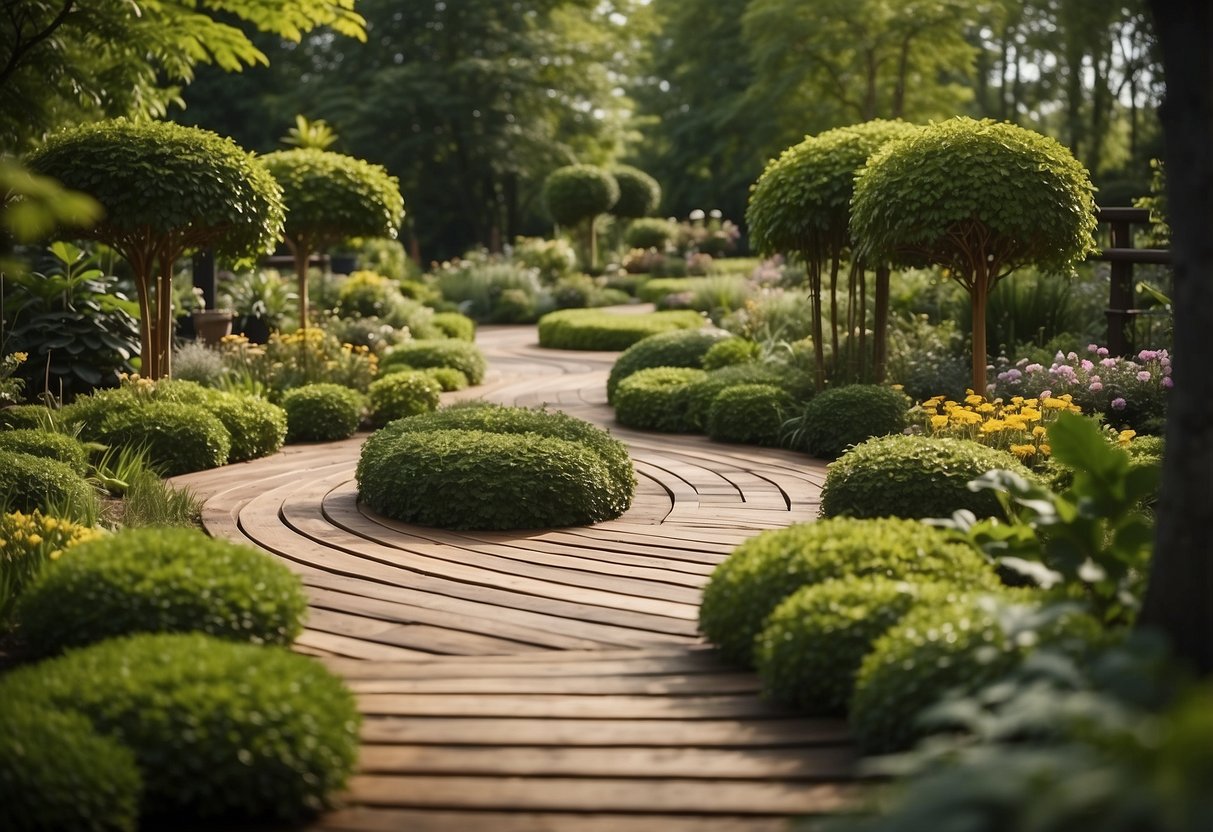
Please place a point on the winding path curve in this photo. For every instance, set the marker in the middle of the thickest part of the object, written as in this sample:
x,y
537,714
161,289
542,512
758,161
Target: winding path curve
x,y
531,681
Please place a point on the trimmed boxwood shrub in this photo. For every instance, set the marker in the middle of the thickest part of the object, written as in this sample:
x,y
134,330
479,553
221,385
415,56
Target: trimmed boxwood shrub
x,y
402,394
814,641
649,232
448,378
34,482
57,772
218,729
657,289
680,348
161,580
439,352
590,329
705,391
455,325
936,648
179,437
729,352
761,572
257,427
27,416
44,443
322,412
657,398
490,467
840,417
750,413
913,476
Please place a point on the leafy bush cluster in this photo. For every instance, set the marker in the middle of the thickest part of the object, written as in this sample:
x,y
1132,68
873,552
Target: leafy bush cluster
x,y
44,443
322,412
402,394
582,329
914,476
28,542
678,348
840,417
29,483
750,413
442,352
657,398
492,467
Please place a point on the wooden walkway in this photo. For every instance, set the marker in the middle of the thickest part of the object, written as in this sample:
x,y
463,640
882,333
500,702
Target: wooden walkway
x,y
535,681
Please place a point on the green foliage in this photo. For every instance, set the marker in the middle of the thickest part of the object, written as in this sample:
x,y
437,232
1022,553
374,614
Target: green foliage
x,y
156,179
448,378
576,193
160,581
679,348
402,394
840,417
657,398
705,391
1094,539
150,501
24,417
553,259
32,206
44,443
455,325
218,729
322,412
28,542
488,467
760,573
649,232
34,482
365,294
587,329
441,352
937,648
330,196
913,476
749,413
491,289
58,772
257,427
639,193
815,640
730,352
659,288
179,437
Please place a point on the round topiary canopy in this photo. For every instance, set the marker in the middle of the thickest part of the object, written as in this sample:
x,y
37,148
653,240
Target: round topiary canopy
x,y
639,193
576,193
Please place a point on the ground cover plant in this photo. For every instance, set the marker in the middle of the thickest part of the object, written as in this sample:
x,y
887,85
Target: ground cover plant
x,y
489,467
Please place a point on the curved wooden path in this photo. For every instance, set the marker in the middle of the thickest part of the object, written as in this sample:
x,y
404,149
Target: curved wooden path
x,y
553,680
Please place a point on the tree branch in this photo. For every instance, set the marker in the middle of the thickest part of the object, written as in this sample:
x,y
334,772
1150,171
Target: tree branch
x,y
20,49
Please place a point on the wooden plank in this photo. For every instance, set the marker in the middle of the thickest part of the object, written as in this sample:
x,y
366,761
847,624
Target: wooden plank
x,y
571,707
363,819
596,685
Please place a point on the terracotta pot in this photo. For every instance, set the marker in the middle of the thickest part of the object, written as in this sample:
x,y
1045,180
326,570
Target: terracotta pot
x,y
211,325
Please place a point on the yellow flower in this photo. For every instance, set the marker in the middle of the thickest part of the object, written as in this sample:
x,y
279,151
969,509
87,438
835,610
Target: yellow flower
x,y
1054,403
1038,431
1017,400
994,426
974,399
34,539
985,408
1045,449
1023,451
1016,422
1126,436
939,422
1030,414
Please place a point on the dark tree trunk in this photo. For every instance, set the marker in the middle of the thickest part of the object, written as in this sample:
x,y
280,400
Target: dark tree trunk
x,y
1180,596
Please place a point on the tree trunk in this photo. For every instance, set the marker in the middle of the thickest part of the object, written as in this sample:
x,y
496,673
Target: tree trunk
x,y
880,323
980,296
1179,600
300,249
834,265
814,269
164,318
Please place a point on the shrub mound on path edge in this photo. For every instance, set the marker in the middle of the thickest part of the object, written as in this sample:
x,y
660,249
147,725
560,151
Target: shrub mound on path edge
x,y
680,348
491,467
218,729
760,573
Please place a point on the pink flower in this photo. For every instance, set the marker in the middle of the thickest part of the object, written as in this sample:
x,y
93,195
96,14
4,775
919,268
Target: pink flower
x,y
1102,352
1087,365
1033,368
1108,362
1095,387
1167,383
1046,394
1144,375
1119,404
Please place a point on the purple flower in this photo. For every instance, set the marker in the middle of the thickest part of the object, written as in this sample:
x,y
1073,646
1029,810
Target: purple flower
x,y
1013,375
1144,375
1119,404
1147,355
1095,387
1102,352
1167,383
1033,368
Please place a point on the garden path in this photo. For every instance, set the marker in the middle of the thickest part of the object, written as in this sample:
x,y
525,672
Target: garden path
x,y
545,680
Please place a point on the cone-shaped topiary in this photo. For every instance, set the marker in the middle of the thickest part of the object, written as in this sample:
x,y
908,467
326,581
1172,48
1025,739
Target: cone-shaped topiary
x,y
764,570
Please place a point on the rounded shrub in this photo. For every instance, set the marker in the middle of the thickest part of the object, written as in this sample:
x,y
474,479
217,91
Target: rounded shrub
x,y
639,193
961,646
491,467
913,476
590,329
322,412
657,398
402,394
440,352
218,729
813,643
448,378
578,192
840,417
33,482
257,427
455,325
179,437
365,294
649,232
749,413
761,572
680,348
27,416
44,443
57,772
161,580
729,352
705,391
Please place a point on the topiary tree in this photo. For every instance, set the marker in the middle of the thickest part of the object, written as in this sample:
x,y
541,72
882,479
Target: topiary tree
x,y
577,194
639,193
979,198
330,197
165,189
801,204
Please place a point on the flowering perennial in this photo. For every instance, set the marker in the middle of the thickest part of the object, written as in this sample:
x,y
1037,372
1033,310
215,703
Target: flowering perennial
x,y
27,543
1017,425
